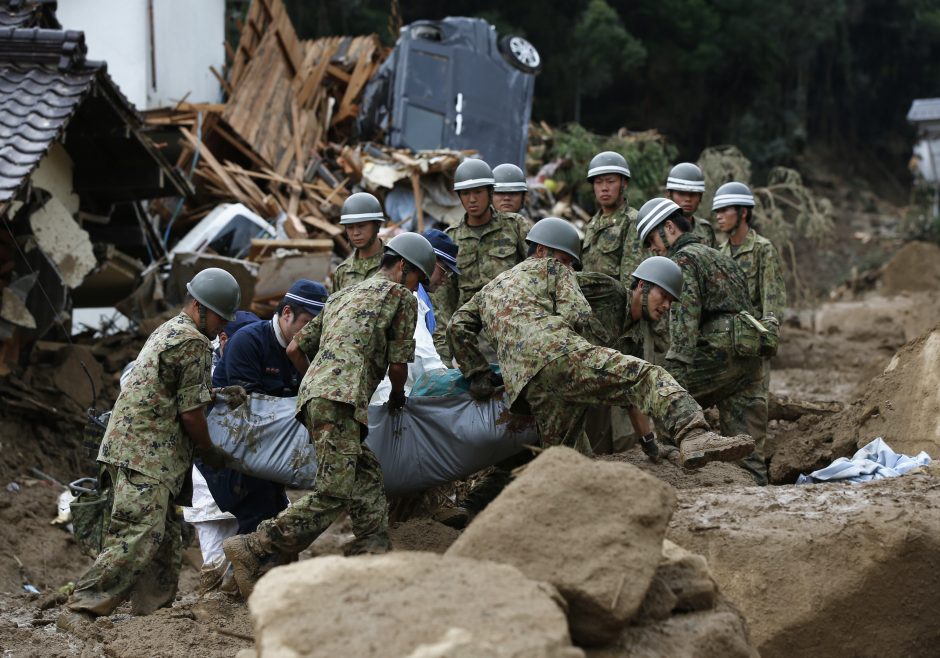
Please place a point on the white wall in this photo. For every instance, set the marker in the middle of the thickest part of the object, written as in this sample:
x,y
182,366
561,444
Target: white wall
x,y
189,37
116,32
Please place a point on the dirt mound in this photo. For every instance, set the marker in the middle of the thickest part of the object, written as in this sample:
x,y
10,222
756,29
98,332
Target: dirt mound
x,y
422,535
916,266
715,474
833,569
407,604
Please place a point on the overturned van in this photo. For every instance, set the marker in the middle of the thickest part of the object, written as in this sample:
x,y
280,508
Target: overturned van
x,y
453,83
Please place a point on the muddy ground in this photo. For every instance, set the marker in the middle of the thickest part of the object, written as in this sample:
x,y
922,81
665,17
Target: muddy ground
x,y
831,350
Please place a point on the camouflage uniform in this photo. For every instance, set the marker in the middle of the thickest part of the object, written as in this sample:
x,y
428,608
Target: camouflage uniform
x,y
701,356
758,259
704,230
533,312
351,343
485,251
146,458
354,269
444,303
611,245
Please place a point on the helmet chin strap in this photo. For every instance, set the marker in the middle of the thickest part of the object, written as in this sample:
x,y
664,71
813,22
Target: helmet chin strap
x,y
202,312
661,230
644,300
375,236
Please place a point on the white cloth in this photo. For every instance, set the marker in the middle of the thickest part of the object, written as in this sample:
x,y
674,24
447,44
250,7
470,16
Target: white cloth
x,y
204,507
426,357
212,524
278,334
875,461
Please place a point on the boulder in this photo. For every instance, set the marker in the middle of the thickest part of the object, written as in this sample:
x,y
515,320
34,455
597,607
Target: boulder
x,y
406,604
827,569
592,529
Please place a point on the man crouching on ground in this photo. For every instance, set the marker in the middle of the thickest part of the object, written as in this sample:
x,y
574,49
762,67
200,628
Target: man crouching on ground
x,y
363,330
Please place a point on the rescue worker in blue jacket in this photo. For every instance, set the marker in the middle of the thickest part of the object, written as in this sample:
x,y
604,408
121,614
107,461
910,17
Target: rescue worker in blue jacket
x,y
255,358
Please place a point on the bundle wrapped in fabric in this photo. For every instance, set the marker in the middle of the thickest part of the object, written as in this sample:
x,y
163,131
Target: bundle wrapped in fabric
x,y
434,440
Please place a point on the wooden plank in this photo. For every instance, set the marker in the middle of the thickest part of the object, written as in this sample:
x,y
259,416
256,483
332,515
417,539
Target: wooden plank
x,y
222,81
308,244
419,199
296,230
357,81
322,225
338,73
206,155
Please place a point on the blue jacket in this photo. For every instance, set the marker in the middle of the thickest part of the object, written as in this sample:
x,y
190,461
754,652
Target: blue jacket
x,y
255,360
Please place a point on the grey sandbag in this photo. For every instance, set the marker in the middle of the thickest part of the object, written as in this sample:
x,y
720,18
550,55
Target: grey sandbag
x,y
436,440
433,441
265,440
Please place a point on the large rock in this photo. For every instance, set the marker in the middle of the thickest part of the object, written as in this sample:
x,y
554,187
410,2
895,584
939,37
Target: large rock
x,y
829,569
406,604
592,529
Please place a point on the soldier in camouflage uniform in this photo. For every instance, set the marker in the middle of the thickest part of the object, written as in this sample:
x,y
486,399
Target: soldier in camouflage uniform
x,y
362,216
758,259
610,244
362,331
146,456
701,354
685,185
489,241
511,188
534,313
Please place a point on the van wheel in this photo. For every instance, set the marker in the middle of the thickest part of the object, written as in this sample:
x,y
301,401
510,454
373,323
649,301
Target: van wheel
x,y
521,54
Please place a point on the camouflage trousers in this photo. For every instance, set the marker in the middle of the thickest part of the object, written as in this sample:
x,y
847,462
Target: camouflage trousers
x,y
142,548
736,386
349,479
561,394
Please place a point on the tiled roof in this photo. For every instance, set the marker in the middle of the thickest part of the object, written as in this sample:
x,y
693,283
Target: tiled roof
x,y
924,109
28,13
43,79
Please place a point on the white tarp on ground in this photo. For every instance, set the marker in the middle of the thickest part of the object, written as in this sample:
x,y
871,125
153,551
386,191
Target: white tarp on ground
x,y
433,441
875,461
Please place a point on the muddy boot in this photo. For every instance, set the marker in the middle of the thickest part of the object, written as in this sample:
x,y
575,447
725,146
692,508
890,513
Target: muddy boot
x,y
246,562
94,604
371,545
211,575
452,516
76,623
699,447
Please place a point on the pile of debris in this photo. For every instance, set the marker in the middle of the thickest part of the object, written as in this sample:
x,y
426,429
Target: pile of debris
x,y
571,556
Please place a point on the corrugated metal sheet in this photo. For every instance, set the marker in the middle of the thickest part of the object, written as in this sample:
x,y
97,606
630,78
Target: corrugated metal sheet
x,y
924,109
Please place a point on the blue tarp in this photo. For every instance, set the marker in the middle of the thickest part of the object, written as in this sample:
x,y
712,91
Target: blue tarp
x,y
875,461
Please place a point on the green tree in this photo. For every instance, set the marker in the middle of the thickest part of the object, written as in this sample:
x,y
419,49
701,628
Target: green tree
x,y
603,49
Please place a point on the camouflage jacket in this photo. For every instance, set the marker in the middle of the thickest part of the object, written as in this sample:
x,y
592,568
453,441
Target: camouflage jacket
x,y
354,270
758,259
712,287
611,244
170,376
444,303
533,313
361,331
487,250
705,231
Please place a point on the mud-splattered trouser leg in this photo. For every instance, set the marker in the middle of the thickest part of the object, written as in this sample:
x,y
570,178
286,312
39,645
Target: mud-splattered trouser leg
x,y
736,386
561,392
349,479
141,551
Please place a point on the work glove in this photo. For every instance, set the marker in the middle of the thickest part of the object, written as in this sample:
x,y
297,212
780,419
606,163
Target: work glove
x,y
650,447
484,386
214,457
396,401
233,396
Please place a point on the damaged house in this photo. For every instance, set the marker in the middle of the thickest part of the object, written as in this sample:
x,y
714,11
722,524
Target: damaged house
x,y
75,167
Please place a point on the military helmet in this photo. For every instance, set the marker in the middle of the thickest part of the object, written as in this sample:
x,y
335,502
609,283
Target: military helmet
x,y
653,213
415,249
217,290
733,194
473,173
556,233
608,162
361,207
509,178
686,177
662,272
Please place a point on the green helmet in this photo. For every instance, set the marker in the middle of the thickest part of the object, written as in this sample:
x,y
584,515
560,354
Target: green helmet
x,y
509,178
415,249
217,290
556,233
653,213
608,162
361,207
662,272
473,173
686,177
733,194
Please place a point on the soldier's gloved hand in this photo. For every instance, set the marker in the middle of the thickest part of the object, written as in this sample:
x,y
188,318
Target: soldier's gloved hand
x,y
396,401
650,447
214,457
484,386
233,396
